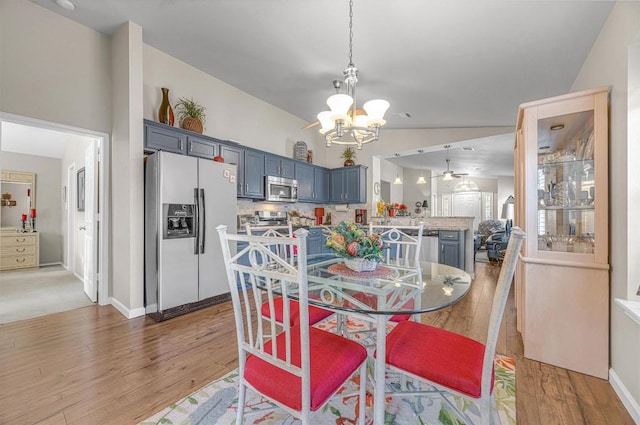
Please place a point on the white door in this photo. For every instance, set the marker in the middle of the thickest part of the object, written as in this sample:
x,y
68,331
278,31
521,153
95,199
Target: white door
x,y
467,204
90,223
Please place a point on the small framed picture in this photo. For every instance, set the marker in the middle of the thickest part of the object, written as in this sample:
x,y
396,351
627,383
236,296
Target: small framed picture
x,y
80,186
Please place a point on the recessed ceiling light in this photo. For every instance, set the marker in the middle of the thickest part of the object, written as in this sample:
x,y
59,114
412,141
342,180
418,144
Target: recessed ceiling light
x,y
556,127
478,169
402,114
66,4
468,149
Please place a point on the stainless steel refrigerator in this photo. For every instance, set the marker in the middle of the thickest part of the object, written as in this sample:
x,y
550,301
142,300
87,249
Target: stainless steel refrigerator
x,y
186,198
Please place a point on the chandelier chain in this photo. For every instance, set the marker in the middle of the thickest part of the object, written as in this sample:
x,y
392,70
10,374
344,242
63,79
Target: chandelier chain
x,y
351,33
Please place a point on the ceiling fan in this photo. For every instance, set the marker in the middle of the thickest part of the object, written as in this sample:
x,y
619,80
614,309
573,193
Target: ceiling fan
x,y
450,174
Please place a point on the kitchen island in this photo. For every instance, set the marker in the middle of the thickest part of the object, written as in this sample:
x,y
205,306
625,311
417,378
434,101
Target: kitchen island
x,y
464,225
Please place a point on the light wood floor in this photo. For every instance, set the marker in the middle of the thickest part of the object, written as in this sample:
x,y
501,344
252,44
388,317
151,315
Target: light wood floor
x,y
93,366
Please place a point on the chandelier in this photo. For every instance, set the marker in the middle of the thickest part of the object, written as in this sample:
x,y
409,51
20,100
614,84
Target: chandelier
x,y
344,124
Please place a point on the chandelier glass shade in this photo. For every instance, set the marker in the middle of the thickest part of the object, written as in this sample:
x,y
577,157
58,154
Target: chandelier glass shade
x,y
344,124
465,186
421,180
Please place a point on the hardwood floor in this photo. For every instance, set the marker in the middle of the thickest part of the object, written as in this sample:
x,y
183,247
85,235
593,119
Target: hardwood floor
x,y
93,366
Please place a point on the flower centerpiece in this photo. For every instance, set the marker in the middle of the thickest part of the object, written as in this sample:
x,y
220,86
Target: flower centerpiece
x,y
361,252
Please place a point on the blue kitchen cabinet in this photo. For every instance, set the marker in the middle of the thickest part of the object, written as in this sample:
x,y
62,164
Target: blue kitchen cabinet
x,y
253,174
315,241
313,183
161,137
451,244
348,185
278,166
321,185
304,174
202,147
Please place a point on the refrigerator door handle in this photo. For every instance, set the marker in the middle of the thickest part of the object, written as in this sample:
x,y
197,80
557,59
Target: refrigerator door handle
x,y
204,221
196,225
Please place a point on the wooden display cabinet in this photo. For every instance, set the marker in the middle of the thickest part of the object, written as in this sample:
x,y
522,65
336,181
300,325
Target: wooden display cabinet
x,y
561,185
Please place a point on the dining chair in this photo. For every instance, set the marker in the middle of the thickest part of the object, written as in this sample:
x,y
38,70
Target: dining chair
x,y
446,359
289,254
404,242
405,246
302,367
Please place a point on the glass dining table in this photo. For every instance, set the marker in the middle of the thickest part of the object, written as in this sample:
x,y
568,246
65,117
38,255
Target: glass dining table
x,y
379,295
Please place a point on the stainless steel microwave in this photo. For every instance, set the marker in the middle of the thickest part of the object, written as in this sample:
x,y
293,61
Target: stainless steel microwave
x,y
279,189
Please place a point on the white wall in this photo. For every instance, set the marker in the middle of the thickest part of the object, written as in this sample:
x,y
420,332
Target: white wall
x,y
48,200
607,65
506,188
412,192
231,113
53,68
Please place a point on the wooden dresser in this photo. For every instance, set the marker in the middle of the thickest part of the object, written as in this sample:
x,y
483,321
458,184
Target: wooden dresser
x,y
19,250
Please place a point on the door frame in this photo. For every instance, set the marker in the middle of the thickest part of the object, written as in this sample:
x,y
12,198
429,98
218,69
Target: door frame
x,y
70,201
103,166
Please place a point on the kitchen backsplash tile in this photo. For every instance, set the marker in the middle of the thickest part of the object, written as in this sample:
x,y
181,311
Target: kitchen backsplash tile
x,y
246,206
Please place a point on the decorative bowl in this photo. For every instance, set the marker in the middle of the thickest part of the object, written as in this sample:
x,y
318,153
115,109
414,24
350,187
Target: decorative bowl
x,y
360,264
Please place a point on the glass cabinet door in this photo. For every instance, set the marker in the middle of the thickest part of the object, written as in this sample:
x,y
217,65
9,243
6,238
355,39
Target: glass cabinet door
x,y
566,183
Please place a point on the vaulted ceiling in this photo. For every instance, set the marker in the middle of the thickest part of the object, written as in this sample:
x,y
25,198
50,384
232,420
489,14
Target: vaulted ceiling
x,y
460,63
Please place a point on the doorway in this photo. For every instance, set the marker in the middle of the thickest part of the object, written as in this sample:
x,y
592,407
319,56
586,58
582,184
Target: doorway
x,y
67,236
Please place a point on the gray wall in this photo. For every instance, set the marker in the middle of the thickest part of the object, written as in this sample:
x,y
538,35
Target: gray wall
x,y
48,200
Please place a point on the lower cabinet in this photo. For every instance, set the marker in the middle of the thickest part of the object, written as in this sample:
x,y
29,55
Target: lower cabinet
x,y
19,250
315,241
451,248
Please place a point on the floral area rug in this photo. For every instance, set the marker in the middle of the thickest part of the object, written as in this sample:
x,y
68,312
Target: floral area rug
x,y
216,403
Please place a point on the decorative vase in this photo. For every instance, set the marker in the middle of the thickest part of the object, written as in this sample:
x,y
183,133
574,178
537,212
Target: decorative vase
x,y
349,162
192,124
165,114
360,264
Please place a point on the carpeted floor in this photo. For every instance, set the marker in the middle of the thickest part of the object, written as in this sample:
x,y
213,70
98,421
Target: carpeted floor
x,y
216,403
33,293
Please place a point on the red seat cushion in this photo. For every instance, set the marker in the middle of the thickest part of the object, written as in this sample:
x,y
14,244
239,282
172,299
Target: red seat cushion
x,y
316,314
440,356
400,317
333,359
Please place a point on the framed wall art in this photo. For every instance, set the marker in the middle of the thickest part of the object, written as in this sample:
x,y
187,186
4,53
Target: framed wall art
x,y
80,187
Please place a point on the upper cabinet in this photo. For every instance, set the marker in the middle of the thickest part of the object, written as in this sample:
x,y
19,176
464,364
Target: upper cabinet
x,y
313,183
279,167
348,185
562,282
253,174
160,137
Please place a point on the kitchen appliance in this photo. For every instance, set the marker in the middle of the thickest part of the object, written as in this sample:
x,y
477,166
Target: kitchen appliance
x,y
186,198
430,246
279,189
361,216
271,218
319,214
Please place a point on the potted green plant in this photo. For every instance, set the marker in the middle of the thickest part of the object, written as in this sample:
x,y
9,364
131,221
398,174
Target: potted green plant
x,y
348,154
191,115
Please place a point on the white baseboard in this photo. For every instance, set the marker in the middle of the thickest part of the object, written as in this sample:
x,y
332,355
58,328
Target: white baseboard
x,y
128,313
632,405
